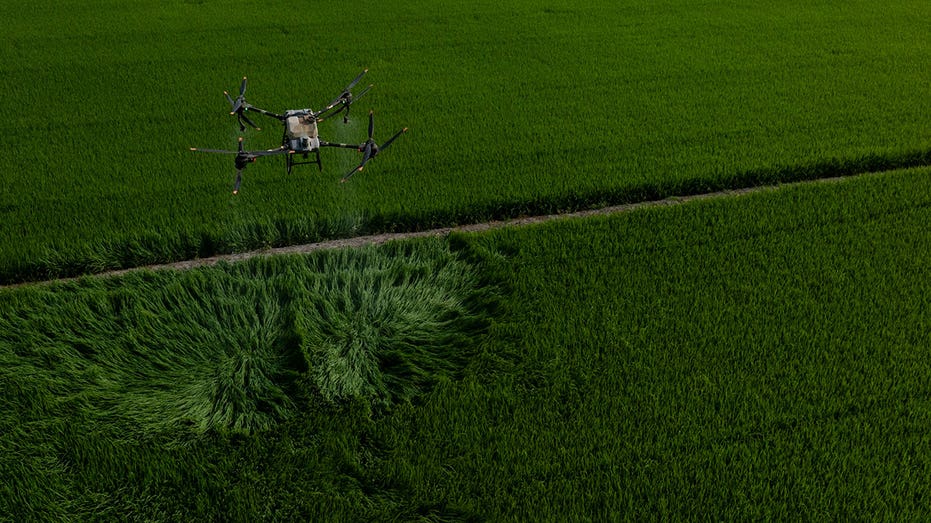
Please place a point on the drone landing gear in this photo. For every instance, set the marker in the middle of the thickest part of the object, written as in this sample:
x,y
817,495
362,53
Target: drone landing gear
x,y
289,160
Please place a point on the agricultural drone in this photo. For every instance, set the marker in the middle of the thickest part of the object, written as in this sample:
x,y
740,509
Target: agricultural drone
x,y
300,132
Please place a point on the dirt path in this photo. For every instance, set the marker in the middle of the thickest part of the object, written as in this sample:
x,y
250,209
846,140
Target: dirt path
x,y
377,239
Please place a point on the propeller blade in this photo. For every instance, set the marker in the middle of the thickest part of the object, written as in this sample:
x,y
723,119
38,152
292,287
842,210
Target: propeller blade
x,y
346,98
399,133
356,97
356,80
231,101
242,126
238,181
331,105
349,175
368,152
371,124
242,87
368,149
248,121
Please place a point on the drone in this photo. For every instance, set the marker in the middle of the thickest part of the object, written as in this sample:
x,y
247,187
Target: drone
x,y
300,132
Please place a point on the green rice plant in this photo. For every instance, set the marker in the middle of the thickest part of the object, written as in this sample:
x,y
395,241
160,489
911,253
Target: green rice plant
x,y
755,357
218,348
513,109
382,327
762,356
104,380
202,351
217,352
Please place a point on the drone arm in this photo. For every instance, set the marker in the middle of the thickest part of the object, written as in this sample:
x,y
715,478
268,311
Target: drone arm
x,y
350,173
220,151
321,114
336,102
270,152
263,111
343,145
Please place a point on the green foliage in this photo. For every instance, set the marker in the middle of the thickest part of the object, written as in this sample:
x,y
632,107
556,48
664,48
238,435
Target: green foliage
x,y
514,108
756,357
106,379
199,350
381,327
218,353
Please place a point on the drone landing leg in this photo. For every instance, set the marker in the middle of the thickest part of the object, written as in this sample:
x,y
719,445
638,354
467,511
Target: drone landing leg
x,y
319,163
288,162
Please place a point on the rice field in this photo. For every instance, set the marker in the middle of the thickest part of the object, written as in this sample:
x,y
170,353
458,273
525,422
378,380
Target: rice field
x,y
751,357
513,109
755,357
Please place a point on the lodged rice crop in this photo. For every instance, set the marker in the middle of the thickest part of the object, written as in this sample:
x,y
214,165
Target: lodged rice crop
x,y
106,380
513,108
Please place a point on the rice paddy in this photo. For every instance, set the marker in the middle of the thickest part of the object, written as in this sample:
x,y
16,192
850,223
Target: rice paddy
x,y
752,357
516,109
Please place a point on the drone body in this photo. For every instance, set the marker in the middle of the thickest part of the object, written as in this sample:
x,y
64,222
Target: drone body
x,y
300,136
300,132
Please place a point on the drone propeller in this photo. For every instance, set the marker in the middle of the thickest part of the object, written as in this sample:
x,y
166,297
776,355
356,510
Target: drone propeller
x,y
244,158
356,80
239,106
369,148
240,100
238,181
243,118
387,143
345,98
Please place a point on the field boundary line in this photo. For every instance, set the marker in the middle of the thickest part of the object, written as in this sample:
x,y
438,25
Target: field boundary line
x,y
381,238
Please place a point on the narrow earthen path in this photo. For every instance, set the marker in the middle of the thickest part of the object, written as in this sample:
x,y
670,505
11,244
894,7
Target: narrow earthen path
x,y
377,239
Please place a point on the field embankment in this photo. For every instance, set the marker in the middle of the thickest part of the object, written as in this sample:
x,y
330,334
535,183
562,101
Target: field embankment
x,y
378,239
